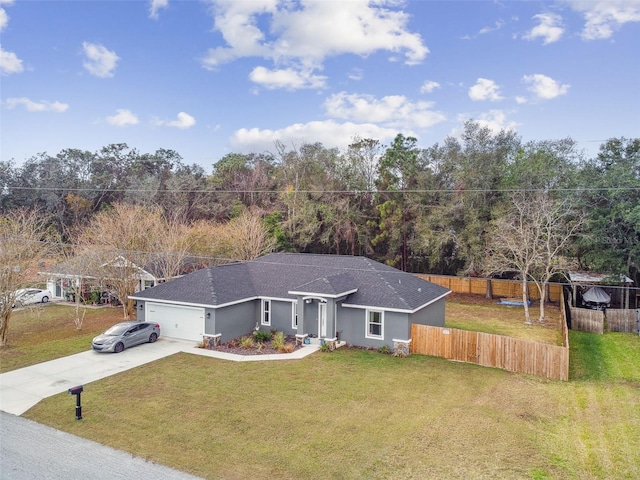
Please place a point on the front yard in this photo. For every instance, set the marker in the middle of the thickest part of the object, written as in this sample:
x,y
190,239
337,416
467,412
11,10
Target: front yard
x,y
360,414
38,334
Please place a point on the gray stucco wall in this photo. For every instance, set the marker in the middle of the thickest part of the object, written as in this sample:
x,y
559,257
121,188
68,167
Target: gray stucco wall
x,y
281,317
352,324
432,315
352,327
236,320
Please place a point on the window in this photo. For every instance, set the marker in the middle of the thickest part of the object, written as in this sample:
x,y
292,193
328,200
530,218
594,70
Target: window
x,y
375,320
266,312
294,315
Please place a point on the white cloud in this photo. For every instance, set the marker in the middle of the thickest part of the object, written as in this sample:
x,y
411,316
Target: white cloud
x,y
485,30
100,61
330,133
183,121
495,120
549,28
520,99
4,18
485,89
356,74
302,35
496,26
32,106
429,86
287,78
545,87
123,117
155,6
390,111
604,17
9,62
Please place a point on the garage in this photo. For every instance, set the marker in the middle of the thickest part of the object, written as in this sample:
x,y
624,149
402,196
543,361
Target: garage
x,y
185,323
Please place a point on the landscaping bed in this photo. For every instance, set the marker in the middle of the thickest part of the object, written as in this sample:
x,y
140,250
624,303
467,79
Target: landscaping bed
x,y
259,343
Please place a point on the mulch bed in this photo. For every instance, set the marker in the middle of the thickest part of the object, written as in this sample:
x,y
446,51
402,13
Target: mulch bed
x,y
264,348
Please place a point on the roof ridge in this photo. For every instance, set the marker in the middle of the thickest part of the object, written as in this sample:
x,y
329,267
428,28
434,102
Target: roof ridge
x,y
212,286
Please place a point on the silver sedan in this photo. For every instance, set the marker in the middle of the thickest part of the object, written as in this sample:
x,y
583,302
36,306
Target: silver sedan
x,y
124,335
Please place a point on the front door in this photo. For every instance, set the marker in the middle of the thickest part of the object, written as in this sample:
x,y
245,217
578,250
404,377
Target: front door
x,y
322,319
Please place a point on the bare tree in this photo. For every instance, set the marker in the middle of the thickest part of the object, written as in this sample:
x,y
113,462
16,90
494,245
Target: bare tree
x,y
246,237
530,237
171,247
23,235
120,242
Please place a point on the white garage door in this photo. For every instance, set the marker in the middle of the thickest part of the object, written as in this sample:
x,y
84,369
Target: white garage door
x,y
186,323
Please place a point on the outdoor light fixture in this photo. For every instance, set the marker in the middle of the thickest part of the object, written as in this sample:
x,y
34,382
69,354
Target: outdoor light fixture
x,y
208,314
141,306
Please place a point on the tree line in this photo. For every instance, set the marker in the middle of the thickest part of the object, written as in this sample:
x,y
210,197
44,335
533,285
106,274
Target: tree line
x,y
452,208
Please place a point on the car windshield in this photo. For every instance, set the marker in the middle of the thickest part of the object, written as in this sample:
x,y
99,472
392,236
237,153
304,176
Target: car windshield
x,y
117,330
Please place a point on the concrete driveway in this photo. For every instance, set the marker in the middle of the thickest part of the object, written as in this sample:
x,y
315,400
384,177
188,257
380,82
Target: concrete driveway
x,y
22,389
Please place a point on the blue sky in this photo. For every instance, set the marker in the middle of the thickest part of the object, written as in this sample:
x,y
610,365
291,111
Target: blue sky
x,y
206,78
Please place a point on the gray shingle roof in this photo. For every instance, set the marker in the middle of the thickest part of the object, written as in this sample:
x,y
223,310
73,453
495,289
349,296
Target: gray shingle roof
x,y
277,274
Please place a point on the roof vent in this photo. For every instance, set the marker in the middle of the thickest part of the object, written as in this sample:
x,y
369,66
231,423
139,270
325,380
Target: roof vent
x,y
420,290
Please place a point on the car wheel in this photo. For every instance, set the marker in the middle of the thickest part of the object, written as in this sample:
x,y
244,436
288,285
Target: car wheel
x,y
153,337
119,347
45,299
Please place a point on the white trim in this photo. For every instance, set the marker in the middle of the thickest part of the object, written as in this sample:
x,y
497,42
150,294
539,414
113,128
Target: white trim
x,y
320,319
367,316
265,302
175,302
277,299
294,315
328,295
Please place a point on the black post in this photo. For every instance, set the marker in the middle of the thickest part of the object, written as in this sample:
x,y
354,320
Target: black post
x,y
78,407
77,391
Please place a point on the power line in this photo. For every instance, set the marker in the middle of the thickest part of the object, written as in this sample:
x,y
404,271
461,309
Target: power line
x,y
353,192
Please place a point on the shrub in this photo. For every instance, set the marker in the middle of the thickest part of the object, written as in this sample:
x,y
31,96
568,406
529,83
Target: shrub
x,y
384,349
278,340
247,343
325,347
261,336
287,348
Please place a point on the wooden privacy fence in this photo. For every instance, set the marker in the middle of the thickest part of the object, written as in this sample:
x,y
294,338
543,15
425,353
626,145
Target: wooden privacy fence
x,y
626,321
610,320
490,350
585,320
499,288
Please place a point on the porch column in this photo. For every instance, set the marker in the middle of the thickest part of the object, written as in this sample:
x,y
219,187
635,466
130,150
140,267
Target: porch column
x,y
300,310
331,318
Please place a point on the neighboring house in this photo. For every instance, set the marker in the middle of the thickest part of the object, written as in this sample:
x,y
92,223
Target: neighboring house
x,y
354,299
71,276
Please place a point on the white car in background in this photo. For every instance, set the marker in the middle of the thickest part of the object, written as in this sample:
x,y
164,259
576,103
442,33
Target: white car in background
x,y
29,296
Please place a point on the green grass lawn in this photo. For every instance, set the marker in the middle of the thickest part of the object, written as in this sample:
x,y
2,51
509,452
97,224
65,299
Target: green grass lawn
x,y
476,313
40,334
361,414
